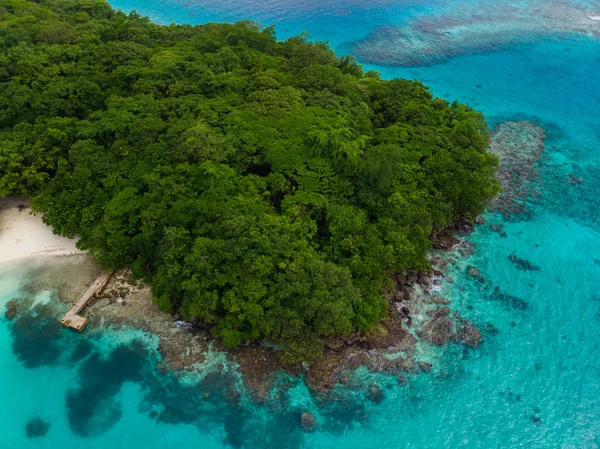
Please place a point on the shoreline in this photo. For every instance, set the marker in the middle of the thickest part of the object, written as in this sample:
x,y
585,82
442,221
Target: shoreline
x,y
417,315
24,235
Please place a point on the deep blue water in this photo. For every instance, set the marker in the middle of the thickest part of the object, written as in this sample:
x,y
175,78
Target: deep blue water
x,y
533,384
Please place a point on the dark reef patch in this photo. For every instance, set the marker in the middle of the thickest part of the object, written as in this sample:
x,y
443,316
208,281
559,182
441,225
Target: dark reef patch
x,y
36,336
342,411
522,264
508,301
92,408
81,350
36,427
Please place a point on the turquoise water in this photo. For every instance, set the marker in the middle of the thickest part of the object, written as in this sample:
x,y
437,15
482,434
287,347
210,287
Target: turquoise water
x,y
533,383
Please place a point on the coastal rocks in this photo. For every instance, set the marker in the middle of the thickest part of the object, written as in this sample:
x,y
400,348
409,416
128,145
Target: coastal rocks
x,y
12,307
436,300
443,240
522,264
519,146
257,365
308,421
464,226
438,262
439,328
479,219
36,428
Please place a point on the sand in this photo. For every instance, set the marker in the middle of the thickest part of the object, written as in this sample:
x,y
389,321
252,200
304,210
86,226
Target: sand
x,y
23,235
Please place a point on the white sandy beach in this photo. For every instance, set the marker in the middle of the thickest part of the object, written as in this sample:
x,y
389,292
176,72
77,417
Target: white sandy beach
x,y
23,235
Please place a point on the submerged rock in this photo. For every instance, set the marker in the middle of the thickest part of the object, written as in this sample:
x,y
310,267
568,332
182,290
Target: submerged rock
x,y
499,229
425,366
536,420
519,146
12,307
469,335
375,393
522,264
474,272
36,427
308,422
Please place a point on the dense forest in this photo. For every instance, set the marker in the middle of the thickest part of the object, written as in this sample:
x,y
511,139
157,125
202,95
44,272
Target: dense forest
x,y
264,188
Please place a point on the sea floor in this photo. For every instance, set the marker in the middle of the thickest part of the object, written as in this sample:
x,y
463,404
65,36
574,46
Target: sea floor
x,y
535,380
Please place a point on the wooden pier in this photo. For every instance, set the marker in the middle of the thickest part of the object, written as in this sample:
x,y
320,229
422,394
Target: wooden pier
x,y
71,318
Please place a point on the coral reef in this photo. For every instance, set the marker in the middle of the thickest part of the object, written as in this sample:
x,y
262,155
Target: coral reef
x,y
484,27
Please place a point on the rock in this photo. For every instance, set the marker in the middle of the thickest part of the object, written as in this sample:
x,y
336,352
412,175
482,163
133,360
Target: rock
x,y
344,380
424,279
36,427
401,380
499,229
410,278
438,262
469,335
536,420
375,393
443,240
491,329
463,226
11,309
436,300
479,219
473,271
508,300
308,421
522,264
161,368
425,366
438,329
153,414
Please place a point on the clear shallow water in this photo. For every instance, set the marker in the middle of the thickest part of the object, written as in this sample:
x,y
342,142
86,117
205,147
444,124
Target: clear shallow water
x,y
533,384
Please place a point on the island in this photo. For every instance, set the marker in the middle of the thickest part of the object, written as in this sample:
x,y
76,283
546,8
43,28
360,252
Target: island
x,y
264,190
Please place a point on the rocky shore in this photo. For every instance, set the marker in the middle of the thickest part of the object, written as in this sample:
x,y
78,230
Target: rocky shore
x,y
417,314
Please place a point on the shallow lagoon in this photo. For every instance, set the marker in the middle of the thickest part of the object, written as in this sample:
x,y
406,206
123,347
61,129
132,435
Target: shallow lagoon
x,y
535,382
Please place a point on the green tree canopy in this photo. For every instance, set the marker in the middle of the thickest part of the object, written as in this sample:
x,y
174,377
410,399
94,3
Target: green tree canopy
x,y
265,188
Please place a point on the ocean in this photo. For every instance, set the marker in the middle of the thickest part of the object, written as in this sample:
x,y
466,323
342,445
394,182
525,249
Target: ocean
x,y
535,380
